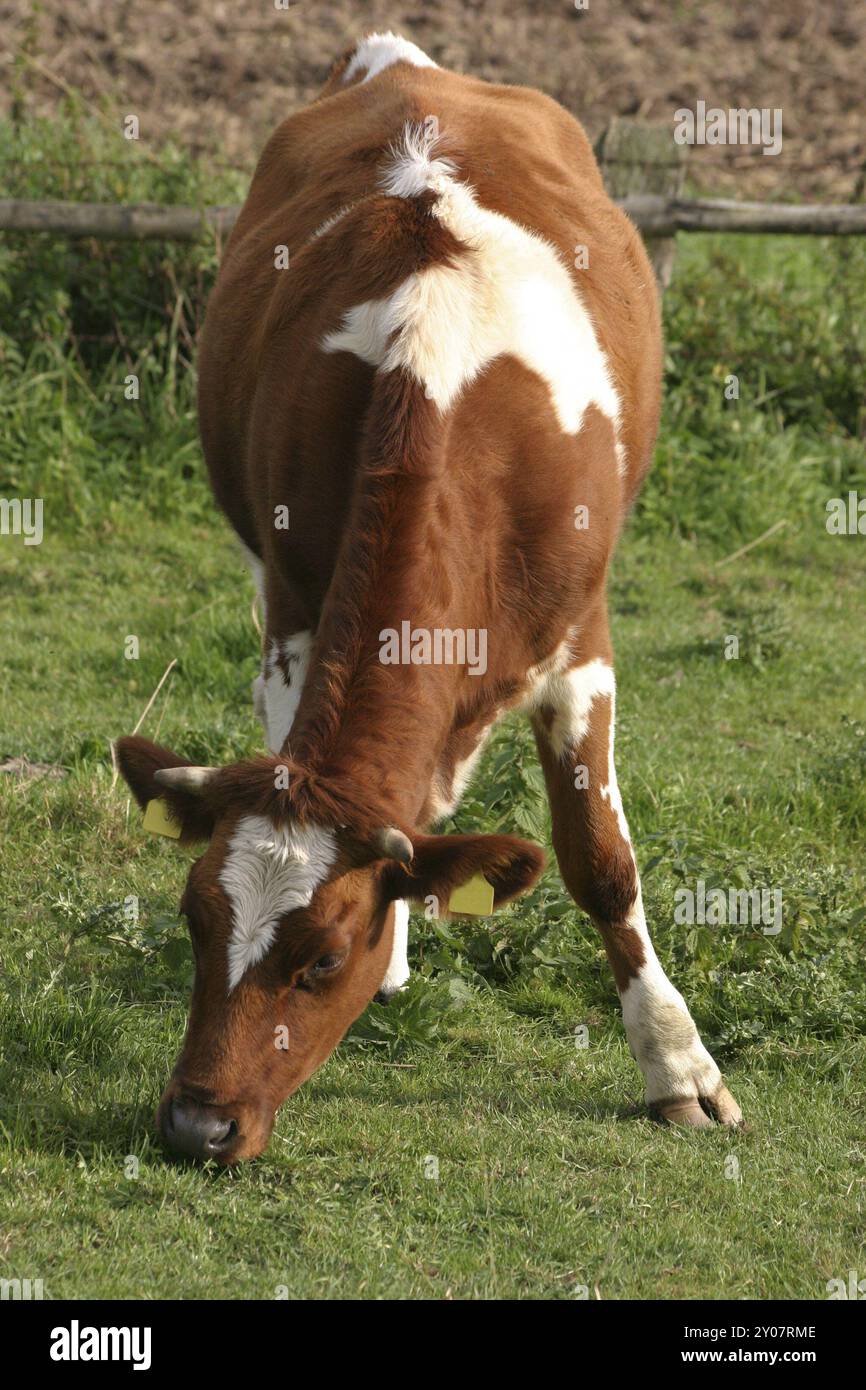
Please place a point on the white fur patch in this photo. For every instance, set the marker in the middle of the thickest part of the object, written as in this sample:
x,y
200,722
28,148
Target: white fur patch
x,y
508,293
660,1030
379,51
267,873
570,695
445,797
397,973
610,791
281,695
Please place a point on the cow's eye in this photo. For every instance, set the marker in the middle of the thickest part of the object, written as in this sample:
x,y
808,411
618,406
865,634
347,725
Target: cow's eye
x,y
326,965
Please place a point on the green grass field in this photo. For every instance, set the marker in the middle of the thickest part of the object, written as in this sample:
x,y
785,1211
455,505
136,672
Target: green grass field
x,y
461,1142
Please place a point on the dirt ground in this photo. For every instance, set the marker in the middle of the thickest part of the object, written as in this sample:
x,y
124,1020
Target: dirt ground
x,y
219,74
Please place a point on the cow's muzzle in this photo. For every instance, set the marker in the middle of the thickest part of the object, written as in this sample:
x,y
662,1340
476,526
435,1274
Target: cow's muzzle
x,y
198,1131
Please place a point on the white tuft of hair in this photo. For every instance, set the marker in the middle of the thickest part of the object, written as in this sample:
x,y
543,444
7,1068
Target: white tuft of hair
x,y
414,167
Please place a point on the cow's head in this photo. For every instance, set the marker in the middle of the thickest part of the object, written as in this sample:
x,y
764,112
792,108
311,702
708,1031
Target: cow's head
x,y
292,925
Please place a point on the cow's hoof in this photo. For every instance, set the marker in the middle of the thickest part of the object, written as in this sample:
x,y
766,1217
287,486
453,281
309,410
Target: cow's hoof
x,y
700,1113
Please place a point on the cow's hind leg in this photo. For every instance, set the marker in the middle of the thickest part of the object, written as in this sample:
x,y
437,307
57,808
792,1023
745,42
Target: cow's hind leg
x,y
573,717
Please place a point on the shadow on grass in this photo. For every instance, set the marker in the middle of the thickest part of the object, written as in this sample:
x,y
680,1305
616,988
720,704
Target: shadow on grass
x,y
54,1126
490,1095
125,1132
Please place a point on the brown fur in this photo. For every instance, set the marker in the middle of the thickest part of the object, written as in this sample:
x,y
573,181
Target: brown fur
x,y
396,511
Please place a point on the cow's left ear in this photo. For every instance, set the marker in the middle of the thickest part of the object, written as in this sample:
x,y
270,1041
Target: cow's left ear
x,y
155,773
441,863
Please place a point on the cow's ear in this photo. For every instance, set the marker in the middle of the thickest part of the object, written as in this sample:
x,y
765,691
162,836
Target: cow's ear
x,y
441,863
186,797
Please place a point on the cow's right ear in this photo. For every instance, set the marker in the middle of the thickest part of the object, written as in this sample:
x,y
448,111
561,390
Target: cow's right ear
x,y
185,794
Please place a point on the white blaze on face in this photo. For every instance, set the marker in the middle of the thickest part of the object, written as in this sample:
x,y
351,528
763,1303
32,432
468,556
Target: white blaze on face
x,y
378,51
508,293
267,873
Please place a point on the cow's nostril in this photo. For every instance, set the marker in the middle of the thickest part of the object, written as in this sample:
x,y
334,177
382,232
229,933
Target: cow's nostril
x,y
227,1137
197,1131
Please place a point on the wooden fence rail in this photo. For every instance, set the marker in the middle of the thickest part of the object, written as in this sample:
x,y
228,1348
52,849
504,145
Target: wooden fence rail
x,y
655,215
643,170
658,216
126,222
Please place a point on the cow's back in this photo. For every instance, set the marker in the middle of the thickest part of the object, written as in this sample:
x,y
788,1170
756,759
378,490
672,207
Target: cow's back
x,y
280,418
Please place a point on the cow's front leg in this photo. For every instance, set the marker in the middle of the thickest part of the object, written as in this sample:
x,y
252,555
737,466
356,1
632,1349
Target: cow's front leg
x,y
397,974
286,648
277,691
573,718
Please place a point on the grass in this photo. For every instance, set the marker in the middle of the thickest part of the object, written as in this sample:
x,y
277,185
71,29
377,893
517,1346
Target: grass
x,y
551,1181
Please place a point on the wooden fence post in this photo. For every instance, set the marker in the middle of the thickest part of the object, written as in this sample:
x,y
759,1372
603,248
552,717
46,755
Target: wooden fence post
x,y
638,158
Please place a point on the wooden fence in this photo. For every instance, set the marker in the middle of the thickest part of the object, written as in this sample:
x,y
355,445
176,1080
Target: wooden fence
x,y
642,167
654,214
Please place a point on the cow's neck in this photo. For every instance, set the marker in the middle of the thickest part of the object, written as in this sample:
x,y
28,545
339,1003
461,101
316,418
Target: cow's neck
x,y
373,727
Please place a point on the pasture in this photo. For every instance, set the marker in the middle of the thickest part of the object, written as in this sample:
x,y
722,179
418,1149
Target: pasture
x,y
482,1136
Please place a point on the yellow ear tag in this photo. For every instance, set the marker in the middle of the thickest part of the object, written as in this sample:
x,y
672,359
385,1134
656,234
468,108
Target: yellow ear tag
x,y
158,820
474,897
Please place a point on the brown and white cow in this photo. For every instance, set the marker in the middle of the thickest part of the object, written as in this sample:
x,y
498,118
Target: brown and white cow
x,y
453,419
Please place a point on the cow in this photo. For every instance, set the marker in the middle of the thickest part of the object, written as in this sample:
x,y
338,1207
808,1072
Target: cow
x,y
429,390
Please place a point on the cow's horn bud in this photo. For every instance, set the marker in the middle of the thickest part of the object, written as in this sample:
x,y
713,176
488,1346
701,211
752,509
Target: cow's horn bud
x,y
391,843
